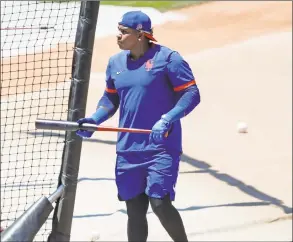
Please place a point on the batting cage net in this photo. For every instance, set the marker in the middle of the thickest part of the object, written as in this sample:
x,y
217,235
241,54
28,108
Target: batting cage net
x,y
37,40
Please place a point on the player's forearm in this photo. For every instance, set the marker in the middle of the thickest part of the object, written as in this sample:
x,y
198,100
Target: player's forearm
x,y
106,108
189,99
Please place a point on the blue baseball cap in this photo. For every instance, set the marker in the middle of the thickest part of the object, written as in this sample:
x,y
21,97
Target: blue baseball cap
x,y
139,21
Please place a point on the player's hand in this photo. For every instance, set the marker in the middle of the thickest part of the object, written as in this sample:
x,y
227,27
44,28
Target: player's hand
x,y
84,133
160,131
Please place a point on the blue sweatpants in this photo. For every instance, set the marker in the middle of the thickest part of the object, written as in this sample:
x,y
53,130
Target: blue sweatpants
x,y
153,173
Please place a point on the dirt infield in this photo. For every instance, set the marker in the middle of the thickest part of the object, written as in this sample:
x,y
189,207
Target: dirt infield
x,y
32,72
209,26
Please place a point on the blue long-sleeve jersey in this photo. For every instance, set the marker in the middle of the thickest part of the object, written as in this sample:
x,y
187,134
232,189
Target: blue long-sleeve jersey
x,y
160,82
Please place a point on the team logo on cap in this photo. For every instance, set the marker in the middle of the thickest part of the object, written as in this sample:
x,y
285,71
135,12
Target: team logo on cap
x,y
139,27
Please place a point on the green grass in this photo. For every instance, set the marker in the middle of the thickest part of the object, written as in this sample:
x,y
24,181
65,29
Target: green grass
x,y
159,5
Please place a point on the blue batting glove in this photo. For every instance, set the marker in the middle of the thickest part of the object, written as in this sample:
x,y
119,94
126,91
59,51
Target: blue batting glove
x,y
84,133
160,131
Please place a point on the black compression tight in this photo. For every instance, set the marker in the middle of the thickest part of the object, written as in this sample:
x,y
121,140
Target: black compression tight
x,y
137,226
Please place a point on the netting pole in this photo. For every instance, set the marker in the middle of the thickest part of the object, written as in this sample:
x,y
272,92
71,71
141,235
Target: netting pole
x,y
81,66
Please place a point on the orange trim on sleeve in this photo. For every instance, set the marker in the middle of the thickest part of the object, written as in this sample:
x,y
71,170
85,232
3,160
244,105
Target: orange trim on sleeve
x,y
184,86
111,90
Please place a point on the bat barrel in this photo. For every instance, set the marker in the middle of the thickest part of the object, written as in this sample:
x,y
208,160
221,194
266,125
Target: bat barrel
x,y
63,125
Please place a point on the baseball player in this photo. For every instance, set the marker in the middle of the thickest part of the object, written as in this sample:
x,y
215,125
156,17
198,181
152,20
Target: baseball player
x,y
153,87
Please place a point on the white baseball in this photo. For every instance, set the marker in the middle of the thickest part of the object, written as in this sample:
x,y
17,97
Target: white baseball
x,y
242,127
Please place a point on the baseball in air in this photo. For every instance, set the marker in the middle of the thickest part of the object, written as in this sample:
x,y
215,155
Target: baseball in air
x,y
242,127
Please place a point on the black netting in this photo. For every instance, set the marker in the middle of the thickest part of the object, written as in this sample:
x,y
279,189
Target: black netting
x,y
37,40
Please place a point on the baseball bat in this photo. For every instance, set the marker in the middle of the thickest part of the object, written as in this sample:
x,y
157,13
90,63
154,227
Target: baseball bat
x,y
74,126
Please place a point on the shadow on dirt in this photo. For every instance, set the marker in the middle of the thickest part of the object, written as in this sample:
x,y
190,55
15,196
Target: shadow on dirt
x,y
203,167
192,208
206,168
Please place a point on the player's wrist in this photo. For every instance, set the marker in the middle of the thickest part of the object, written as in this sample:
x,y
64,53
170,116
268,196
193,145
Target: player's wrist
x,y
166,118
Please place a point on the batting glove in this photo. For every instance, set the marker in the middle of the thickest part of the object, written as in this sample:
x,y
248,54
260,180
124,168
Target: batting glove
x,y
160,131
84,133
